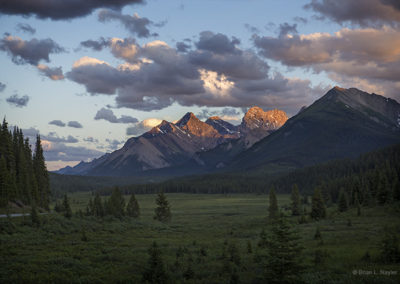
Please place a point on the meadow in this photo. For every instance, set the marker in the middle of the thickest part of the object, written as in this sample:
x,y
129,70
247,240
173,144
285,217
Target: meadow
x,y
212,238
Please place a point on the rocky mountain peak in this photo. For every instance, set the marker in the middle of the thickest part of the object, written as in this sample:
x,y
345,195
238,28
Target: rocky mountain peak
x,y
365,103
186,118
257,118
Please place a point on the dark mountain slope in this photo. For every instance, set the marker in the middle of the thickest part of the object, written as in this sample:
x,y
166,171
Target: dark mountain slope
x,y
343,123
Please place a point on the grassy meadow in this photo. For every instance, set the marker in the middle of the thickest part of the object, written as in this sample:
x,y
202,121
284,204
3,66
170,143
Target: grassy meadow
x,y
194,245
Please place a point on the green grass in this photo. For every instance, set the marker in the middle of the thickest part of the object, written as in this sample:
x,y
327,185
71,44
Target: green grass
x,y
116,250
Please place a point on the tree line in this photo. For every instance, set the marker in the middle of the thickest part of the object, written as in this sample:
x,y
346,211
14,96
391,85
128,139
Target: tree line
x,y
23,174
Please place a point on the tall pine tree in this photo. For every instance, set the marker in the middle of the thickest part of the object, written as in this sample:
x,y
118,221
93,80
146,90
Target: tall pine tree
x,y
273,204
318,210
42,176
163,210
296,204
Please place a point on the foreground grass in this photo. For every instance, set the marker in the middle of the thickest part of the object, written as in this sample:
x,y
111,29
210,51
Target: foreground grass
x,y
203,227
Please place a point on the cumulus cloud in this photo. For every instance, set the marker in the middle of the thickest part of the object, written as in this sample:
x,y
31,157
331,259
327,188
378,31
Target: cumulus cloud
x,y
2,87
370,54
143,126
59,9
285,29
54,74
26,28
358,12
96,45
61,152
18,101
136,25
182,46
91,140
216,73
57,123
107,114
229,114
53,137
75,124
217,43
113,144
29,52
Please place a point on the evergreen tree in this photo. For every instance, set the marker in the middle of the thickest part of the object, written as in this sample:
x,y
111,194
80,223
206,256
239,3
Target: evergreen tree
x,y
35,216
383,189
67,207
41,174
132,209
357,204
155,271
283,264
162,211
318,210
273,204
342,202
296,204
90,208
5,182
97,209
116,204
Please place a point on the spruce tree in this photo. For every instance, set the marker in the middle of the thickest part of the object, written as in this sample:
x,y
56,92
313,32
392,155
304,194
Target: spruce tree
x,y
163,210
41,174
296,204
342,201
116,204
318,210
98,209
67,207
155,271
35,216
283,264
273,204
132,209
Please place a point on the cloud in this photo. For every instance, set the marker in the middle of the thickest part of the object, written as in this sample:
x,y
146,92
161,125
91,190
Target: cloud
x,y
61,152
370,54
18,101
54,74
217,43
91,140
59,9
285,29
143,126
26,28
96,45
216,73
53,137
57,123
134,24
29,52
75,124
107,114
2,87
113,144
97,76
364,13
227,113
252,29
182,46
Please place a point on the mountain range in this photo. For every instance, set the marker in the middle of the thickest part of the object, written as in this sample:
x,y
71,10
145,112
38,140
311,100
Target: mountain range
x,y
170,145
343,123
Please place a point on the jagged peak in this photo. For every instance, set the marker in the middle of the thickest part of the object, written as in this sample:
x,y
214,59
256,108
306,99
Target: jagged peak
x,y
256,117
186,118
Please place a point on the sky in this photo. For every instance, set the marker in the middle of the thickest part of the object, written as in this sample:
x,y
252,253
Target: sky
x,y
88,75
